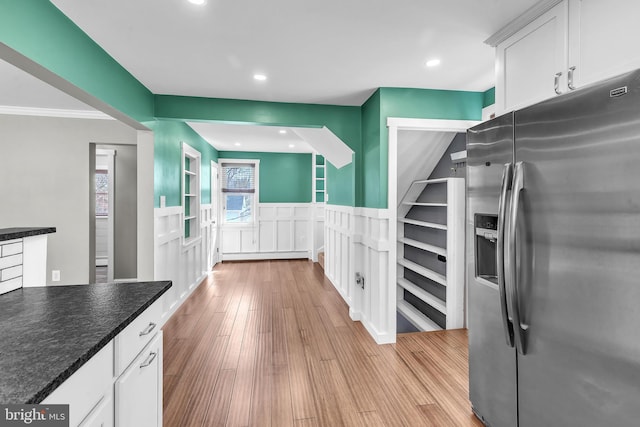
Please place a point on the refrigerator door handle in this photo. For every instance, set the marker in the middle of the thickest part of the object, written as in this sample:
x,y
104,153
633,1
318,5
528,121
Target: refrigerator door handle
x,y
507,175
512,290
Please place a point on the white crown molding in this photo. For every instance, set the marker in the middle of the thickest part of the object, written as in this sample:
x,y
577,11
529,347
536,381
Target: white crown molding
x,y
54,112
521,21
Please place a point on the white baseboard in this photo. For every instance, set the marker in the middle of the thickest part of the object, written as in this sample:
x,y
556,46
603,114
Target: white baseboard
x,y
254,256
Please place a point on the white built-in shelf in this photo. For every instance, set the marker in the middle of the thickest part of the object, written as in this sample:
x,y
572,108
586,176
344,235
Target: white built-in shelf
x,y
422,223
425,296
423,271
418,319
453,280
190,195
186,218
319,179
424,246
429,205
188,172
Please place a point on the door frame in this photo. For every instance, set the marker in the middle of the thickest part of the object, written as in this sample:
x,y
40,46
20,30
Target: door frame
x,y
215,213
395,124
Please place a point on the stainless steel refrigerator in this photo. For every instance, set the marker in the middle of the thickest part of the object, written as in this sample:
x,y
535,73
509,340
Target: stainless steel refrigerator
x,y
553,261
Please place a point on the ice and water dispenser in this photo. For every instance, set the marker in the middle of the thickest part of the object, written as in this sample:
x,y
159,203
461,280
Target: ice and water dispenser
x,y
486,237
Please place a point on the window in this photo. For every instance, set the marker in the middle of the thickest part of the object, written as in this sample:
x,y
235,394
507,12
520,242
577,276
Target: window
x,y
191,192
102,192
239,191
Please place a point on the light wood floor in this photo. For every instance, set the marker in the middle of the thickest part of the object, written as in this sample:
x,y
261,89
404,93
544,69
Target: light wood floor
x,y
271,344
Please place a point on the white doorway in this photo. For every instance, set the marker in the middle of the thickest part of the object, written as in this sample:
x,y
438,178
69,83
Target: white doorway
x,y
215,213
104,214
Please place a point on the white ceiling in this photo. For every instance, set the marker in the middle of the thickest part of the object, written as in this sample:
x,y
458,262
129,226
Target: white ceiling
x,y
329,52
225,137
326,52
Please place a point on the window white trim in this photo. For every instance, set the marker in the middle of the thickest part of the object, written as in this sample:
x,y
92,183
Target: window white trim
x,y
190,223
256,194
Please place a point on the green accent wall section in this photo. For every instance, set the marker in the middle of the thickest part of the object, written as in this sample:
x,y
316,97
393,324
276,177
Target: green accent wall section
x,y
284,177
167,172
405,103
343,121
489,97
42,33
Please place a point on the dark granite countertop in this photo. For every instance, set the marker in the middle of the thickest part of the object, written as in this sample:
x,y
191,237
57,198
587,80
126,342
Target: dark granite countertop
x,y
20,232
47,333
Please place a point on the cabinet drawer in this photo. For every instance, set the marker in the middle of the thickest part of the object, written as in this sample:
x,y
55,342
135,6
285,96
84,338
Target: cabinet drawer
x,y
138,392
136,336
87,387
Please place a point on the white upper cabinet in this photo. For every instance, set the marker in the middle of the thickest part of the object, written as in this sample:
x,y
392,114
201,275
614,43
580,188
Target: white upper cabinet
x,y
561,45
532,61
603,37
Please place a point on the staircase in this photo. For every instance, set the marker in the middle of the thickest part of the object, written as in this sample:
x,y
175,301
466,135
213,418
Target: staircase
x,y
430,280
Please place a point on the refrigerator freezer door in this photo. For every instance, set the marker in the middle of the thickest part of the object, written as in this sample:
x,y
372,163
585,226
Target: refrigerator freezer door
x,y
492,363
578,252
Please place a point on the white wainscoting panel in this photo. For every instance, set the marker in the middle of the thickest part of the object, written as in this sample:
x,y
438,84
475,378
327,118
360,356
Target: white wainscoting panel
x,y
283,231
185,265
357,241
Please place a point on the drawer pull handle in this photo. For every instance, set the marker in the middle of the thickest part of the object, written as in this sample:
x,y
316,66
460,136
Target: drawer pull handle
x,y
149,360
556,83
148,329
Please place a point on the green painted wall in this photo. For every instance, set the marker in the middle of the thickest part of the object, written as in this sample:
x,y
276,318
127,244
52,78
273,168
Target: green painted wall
x,y
167,170
406,103
489,97
284,177
344,121
39,31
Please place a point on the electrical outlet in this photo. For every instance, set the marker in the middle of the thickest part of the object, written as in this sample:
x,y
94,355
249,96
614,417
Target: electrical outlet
x,y
360,280
55,275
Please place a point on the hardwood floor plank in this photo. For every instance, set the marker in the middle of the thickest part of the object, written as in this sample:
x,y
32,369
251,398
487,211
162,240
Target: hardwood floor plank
x,y
260,411
240,404
220,398
270,343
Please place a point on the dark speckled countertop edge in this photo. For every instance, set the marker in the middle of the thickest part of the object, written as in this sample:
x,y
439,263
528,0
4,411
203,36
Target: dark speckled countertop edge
x,y
49,388
19,233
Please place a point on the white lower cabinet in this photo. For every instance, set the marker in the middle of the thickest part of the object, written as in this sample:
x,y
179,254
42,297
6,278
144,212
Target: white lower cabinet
x,y
102,414
138,391
121,385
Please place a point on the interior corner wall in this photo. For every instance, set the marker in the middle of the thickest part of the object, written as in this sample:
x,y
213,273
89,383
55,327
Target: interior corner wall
x,y
284,177
343,121
168,138
42,33
406,103
45,164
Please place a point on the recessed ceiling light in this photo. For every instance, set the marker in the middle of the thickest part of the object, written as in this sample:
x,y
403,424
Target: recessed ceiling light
x,y
292,145
433,62
198,2
260,77
283,131
237,144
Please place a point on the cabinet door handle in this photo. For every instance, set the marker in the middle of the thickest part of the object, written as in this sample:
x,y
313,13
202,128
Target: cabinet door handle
x,y
148,329
149,360
556,83
570,78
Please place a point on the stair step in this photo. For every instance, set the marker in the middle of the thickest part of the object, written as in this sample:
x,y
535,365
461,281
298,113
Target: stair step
x,y
423,223
429,274
416,317
424,246
425,296
434,205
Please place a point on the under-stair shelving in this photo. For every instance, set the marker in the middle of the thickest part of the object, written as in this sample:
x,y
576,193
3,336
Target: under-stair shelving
x,y
430,260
